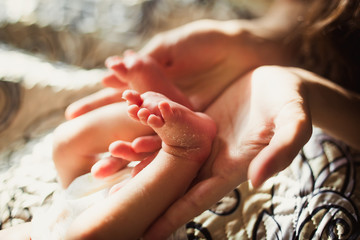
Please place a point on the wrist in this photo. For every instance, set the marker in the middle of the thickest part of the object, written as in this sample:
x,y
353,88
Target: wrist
x,y
333,108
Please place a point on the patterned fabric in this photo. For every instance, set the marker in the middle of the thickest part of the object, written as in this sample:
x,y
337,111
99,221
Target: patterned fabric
x,y
316,197
32,102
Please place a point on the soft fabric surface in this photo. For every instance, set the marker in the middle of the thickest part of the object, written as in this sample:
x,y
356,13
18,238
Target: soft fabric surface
x,y
33,98
316,197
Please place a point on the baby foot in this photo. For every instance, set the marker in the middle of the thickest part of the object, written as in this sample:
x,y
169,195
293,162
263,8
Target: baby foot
x,y
143,73
179,128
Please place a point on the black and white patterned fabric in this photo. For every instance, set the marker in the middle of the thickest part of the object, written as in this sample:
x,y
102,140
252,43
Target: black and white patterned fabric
x,y
316,197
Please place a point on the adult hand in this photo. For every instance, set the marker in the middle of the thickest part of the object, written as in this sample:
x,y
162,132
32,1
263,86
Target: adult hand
x,y
203,57
263,121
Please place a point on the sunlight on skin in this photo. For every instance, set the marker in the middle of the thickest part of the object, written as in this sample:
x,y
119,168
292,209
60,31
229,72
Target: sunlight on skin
x,y
250,129
186,143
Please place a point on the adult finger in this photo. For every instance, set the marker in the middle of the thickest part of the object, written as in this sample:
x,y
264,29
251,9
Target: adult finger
x,y
101,98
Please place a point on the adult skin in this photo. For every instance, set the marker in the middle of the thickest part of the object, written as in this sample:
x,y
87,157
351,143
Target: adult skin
x,y
261,131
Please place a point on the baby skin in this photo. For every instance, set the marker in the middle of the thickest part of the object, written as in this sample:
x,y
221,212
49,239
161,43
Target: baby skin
x,y
186,142
182,132
74,149
141,73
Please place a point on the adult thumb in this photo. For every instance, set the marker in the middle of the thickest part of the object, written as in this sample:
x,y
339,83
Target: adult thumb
x,y
282,149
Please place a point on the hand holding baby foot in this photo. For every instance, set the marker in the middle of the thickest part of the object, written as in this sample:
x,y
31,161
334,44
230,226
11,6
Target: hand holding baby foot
x,y
143,74
265,123
155,110
186,141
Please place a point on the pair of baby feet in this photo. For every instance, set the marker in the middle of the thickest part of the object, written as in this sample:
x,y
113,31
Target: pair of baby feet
x,y
179,130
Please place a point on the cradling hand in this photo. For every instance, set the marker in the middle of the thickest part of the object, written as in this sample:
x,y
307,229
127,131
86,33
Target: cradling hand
x,y
263,121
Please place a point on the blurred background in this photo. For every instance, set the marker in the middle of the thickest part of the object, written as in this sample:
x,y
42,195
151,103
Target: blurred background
x,y
85,32
52,52
46,45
